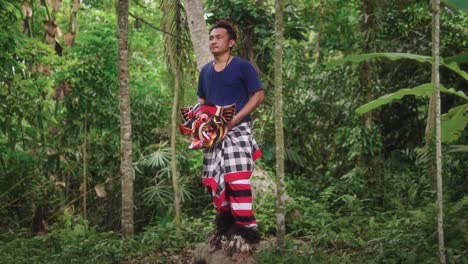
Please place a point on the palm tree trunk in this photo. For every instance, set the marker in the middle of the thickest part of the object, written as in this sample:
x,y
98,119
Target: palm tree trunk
x,y
279,133
126,169
198,31
436,80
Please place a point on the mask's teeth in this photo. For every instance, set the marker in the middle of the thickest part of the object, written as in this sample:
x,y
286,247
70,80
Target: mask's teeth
x,y
205,135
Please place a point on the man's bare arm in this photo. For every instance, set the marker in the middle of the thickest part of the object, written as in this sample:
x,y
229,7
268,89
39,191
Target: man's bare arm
x,y
255,100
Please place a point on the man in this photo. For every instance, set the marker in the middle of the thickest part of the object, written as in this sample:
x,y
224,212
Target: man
x,y
229,164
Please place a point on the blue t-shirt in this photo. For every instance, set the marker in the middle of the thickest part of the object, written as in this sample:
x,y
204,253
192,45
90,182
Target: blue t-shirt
x,y
233,85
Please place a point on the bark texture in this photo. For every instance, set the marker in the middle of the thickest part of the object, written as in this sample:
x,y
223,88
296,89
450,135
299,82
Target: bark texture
x,y
174,128
126,170
319,35
436,81
365,71
198,31
279,133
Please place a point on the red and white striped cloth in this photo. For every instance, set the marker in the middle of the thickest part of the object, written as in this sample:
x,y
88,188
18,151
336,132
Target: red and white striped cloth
x,y
227,168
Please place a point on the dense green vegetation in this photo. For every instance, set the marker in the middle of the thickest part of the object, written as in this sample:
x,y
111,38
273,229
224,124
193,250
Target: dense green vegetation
x,y
358,194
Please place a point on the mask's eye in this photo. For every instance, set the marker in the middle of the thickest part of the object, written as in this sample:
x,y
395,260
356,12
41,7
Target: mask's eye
x,y
203,118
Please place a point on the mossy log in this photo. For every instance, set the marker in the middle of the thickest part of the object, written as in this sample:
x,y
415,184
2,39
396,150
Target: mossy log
x,y
205,255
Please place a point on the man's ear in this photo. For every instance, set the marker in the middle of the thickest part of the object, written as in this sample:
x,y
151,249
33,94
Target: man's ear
x,y
232,43
227,112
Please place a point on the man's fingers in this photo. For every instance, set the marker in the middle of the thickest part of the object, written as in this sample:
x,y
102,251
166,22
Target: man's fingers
x,y
226,130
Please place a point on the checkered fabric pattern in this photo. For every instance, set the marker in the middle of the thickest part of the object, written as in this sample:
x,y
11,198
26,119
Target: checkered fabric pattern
x,y
230,160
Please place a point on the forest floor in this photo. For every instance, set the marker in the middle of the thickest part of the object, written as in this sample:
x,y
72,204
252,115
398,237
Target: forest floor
x,y
186,255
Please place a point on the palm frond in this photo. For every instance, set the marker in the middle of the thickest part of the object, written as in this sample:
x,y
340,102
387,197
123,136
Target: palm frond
x,y
185,191
159,194
174,22
160,158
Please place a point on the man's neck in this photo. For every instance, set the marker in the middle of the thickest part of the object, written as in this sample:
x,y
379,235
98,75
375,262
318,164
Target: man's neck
x,y
222,59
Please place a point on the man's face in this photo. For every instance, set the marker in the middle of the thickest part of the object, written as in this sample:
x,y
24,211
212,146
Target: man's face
x,y
219,41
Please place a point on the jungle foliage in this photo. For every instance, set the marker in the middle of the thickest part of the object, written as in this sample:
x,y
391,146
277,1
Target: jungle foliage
x,y
358,194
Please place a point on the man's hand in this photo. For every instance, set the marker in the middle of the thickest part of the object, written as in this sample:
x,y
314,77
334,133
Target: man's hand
x,y
229,125
255,100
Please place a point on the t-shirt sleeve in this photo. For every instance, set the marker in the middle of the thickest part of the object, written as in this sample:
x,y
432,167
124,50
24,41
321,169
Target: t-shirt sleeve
x,y
200,92
251,79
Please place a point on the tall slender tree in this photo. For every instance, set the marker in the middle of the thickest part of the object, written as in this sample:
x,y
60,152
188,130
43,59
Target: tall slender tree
x,y
198,31
126,169
176,48
321,9
279,133
436,82
365,71
175,172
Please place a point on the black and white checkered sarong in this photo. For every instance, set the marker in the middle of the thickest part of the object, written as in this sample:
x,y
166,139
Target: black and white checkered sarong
x,y
231,159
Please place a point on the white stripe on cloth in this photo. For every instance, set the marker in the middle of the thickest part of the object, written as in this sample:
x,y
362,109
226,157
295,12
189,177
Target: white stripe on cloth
x,y
241,206
246,181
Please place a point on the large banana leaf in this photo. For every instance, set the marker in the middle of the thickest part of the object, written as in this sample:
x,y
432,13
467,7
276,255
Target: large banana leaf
x,y
454,67
356,58
458,4
459,58
458,148
421,90
453,123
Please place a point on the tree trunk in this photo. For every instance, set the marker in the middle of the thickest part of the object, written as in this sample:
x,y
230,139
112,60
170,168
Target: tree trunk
x,y
175,174
429,134
171,23
365,71
126,169
279,133
198,31
319,36
436,81
28,15
74,24
246,45
85,162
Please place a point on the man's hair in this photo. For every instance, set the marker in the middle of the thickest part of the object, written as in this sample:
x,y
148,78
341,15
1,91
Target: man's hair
x,y
226,25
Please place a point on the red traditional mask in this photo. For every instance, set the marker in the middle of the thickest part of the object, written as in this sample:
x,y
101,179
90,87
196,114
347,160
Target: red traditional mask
x,y
205,122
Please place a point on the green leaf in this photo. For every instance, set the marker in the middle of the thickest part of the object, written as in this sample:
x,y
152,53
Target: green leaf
x,y
461,5
453,123
356,58
392,56
453,91
454,67
459,58
458,148
421,90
